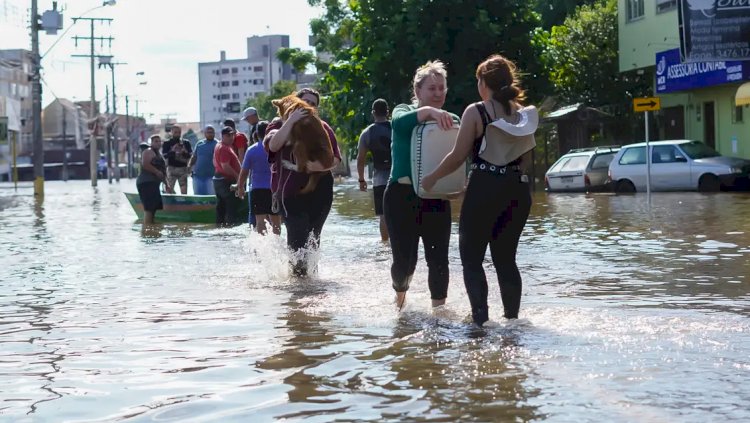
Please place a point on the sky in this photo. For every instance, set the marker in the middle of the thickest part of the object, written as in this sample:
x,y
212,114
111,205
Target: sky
x,y
164,39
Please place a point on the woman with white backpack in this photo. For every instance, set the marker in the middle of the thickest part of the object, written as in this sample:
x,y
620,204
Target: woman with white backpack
x,y
498,134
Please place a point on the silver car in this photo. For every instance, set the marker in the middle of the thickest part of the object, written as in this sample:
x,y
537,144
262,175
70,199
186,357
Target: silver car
x,y
581,170
677,165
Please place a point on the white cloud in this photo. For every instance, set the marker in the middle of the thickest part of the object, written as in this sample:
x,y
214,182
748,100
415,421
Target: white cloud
x,y
166,39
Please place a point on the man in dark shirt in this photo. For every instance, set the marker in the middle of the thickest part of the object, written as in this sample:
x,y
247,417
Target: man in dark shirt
x,y
177,152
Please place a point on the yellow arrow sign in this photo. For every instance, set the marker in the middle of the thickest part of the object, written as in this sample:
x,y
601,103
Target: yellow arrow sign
x,y
646,104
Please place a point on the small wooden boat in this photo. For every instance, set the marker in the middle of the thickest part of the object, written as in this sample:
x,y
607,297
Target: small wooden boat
x,y
183,208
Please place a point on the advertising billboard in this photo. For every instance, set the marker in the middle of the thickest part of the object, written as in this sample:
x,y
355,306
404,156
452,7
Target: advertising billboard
x,y
714,30
673,75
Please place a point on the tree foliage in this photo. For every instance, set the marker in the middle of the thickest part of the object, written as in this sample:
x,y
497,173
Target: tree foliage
x,y
298,59
378,44
581,58
262,103
554,12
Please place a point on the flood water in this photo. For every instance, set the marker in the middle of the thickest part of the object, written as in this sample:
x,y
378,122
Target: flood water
x,y
627,315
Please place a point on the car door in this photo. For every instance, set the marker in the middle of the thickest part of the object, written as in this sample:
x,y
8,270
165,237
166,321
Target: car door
x,y
631,166
670,170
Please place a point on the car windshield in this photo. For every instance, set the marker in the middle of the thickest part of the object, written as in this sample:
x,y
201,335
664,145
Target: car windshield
x,y
576,163
698,150
560,163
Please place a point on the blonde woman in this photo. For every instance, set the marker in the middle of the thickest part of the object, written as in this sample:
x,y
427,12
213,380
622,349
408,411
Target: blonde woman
x,y
407,216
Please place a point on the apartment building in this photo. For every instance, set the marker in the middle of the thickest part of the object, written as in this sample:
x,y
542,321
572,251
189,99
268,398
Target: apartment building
x,y
226,85
15,84
698,98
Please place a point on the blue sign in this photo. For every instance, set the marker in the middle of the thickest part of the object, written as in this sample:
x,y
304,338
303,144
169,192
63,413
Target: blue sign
x,y
673,75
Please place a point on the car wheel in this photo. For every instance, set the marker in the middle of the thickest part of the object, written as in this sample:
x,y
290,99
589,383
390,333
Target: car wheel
x,y
624,187
709,183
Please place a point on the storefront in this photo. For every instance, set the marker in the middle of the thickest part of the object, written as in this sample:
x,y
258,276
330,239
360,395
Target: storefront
x,y
699,102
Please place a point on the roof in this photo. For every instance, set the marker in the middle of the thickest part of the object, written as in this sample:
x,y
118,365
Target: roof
x,y
661,142
563,112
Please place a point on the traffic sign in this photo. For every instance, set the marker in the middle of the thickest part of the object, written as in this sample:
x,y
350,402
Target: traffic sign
x,y
646,104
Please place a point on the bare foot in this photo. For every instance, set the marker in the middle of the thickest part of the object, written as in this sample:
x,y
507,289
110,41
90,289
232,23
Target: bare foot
x,y
438,303
400,300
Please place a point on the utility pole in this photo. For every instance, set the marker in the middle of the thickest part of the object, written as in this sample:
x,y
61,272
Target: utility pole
x,y
36,103
107,138
65,144
115,139
127,137
92,108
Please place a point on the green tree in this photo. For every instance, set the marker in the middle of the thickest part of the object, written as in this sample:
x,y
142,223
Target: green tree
x,y
581,57
378,44
554,12
262,102
298,59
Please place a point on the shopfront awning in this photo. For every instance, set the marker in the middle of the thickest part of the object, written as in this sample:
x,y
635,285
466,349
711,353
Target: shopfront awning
x,y
743,95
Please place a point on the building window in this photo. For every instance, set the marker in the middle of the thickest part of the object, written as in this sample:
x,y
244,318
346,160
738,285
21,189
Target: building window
x,y
234,70
233,107
235,83
635,9
665,5
225,71
736,113
224,83
225,97
257,82
258,69
235,96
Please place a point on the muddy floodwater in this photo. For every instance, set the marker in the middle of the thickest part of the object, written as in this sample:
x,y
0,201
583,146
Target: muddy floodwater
x,y
628,314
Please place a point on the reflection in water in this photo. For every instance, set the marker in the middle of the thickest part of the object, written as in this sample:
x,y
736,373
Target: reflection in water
x,y
628,314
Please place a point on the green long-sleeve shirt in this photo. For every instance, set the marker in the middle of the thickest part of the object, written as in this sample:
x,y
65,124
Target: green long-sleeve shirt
x,y
404,119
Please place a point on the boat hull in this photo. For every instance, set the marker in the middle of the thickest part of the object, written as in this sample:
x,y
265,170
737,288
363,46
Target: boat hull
x,y
182,208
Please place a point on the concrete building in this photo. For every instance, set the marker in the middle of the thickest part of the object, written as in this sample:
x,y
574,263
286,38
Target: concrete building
x,y
697,99
15,84
226,85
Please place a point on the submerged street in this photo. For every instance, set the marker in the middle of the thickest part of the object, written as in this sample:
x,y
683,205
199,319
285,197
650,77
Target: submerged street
x,y
627,315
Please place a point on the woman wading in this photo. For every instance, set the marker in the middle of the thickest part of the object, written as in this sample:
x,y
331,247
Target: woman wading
x,y
498,199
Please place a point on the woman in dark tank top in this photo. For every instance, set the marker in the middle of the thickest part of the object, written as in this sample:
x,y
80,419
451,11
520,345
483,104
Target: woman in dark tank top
x,y
498,200
153,171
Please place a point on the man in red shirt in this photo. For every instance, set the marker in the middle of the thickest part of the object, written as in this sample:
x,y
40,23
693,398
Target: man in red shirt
x,y
241,142
227,168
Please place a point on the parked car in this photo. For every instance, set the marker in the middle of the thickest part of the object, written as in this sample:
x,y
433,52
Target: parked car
x,y
677,165
583,169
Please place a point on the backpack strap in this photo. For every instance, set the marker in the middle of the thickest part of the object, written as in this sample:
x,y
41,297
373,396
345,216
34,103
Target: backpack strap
x,y
486,119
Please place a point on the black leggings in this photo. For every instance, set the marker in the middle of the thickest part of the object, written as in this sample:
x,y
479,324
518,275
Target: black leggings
x,y
304,215
494,212
408,218
227,204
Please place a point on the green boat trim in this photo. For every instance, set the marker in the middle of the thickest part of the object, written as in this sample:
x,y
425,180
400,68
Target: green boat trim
x,y
181,208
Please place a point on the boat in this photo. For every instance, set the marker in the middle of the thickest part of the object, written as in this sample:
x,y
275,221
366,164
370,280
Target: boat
x,y
182,208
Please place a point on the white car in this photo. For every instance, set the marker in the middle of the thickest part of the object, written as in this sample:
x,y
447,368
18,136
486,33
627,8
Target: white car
x,y
581,170
677,165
